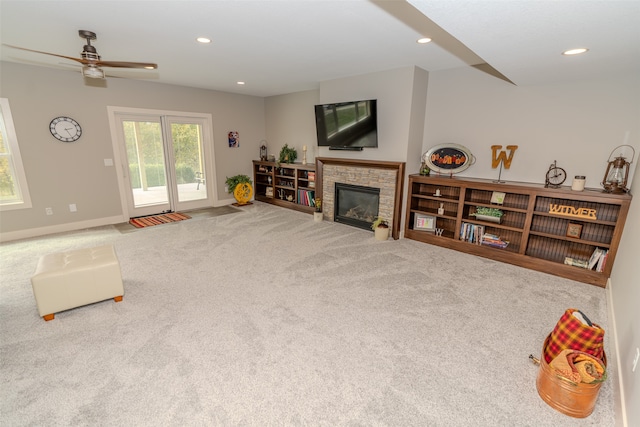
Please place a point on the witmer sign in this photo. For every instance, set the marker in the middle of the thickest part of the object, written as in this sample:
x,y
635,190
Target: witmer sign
x,y
572,212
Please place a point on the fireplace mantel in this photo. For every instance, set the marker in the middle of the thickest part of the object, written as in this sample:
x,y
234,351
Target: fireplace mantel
x,y
396,167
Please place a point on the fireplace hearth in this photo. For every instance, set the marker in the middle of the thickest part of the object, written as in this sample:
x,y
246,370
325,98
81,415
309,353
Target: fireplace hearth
x,y
356,205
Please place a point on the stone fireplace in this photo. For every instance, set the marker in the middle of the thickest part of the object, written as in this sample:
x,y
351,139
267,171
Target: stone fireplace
x,y
386,177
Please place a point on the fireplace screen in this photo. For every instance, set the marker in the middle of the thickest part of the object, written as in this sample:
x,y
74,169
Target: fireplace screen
x,y
356,205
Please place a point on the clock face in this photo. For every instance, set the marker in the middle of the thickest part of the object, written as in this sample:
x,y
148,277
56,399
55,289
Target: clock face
x,y
556,176
65,129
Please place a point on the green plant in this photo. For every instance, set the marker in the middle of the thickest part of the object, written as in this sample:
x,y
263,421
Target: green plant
x,y
481,210
287,154
233,181
379,223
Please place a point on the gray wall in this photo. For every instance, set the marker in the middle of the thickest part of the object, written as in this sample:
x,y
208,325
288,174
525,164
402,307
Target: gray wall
x,y
625,300
576,123
62,173
291,120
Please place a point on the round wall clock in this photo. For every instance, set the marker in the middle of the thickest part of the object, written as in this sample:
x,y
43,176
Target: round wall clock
x,y
65,129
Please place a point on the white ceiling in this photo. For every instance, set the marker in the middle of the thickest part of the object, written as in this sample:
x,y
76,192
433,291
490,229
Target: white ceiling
x,y
283,46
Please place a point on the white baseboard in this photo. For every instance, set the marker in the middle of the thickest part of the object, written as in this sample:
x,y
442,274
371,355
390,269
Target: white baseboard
x,y
60,228
618,398
73,226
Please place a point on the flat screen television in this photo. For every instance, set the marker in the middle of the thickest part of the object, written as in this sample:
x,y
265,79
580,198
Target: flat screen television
x,y
347,125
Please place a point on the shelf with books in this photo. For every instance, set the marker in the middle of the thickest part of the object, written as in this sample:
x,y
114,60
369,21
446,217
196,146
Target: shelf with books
x,y
306,197
287,185
555,230
491,236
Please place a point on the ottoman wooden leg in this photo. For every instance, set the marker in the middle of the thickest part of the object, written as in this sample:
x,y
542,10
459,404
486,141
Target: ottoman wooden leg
x,y
118,298
49,317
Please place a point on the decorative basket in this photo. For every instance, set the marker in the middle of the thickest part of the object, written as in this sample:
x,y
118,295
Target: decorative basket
x,y
576,400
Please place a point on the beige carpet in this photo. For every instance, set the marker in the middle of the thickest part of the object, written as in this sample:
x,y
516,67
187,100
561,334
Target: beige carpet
x,y
265,318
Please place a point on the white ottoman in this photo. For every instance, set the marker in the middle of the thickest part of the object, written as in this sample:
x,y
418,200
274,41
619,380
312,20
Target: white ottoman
x,y
71,279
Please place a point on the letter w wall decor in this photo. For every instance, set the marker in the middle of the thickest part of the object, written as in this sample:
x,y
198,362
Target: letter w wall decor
x,y
502,157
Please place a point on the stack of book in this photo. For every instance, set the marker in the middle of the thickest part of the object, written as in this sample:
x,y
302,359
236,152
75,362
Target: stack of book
x,y
311,176
493,241
576,262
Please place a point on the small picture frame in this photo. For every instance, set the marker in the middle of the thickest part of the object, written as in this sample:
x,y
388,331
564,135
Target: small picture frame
x,y
424,222
234,139
497,197
574,230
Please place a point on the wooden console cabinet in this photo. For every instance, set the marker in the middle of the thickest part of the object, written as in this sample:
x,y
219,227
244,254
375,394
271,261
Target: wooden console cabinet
x,y
554,230
290,185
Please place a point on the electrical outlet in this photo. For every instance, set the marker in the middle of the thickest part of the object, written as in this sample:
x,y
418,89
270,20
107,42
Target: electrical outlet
x,y
73,207
48,211
635,359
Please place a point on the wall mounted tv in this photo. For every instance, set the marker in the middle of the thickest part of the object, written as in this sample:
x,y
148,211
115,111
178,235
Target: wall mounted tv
x,y
347,125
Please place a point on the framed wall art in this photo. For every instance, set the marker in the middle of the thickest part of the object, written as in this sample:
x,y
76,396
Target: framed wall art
x,y
424,222
574,230
234,139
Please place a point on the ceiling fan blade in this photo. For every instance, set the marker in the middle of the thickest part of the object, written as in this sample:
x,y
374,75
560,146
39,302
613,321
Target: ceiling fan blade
x,y
121,64
80,60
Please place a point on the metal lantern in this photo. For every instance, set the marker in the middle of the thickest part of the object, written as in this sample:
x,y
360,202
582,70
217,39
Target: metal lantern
x,y
617,174
263,150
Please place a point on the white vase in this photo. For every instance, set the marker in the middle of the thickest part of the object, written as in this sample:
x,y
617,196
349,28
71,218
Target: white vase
x,y
382,233
317,216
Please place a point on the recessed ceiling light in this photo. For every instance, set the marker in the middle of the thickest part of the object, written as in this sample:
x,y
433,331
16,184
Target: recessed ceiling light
x,y
240,83
424,40
203,40
575,51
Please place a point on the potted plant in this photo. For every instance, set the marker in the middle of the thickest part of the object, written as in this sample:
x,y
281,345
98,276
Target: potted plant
x,y
381,228
488,214
241,188
287,155
317,215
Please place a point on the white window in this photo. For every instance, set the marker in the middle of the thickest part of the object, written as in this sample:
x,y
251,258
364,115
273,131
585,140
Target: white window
x,y
14,193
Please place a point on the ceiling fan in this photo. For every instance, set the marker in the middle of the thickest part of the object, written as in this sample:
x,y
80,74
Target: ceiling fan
x,y
91,61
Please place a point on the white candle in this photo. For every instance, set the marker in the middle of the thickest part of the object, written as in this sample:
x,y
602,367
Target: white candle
x,y
578,183
304,148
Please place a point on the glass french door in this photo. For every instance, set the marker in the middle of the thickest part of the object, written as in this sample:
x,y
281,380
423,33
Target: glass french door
x,y
165,166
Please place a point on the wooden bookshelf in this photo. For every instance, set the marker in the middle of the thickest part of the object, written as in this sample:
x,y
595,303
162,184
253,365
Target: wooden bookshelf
x,y
535,222
288,185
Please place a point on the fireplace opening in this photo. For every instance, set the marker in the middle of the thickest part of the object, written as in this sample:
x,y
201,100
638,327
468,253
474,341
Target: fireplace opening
x,y
356,205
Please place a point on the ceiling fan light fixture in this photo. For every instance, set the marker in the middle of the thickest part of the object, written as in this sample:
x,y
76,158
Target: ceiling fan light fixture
x,y
92,72
577,51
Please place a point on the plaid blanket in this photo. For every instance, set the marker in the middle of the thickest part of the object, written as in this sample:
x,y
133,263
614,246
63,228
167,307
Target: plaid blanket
x,y
571,333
